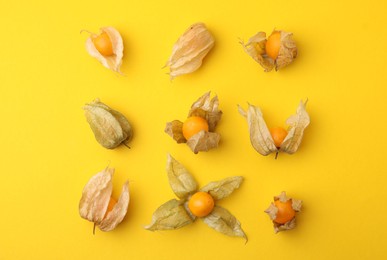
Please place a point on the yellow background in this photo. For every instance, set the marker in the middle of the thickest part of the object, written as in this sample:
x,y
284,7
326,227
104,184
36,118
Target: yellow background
x,y
48,151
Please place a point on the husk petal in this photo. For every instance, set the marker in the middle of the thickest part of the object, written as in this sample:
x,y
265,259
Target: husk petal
x,y
208,109
203,141
169,216
96,195
114,61
189,50
297,124
224,222
260,136
175,130
223,188
181,181
118,212
287,52
255,48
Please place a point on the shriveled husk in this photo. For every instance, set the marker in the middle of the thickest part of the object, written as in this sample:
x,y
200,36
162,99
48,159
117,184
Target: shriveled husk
x,y
189,50
273,210
110,127
114,61
256,48
95,199
208,109
261,138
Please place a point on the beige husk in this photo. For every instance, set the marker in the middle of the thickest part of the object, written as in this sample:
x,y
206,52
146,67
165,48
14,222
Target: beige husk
x,y
189,50
272,212
256,45
260,136
175,214
95,199
208,109
114,61
109,126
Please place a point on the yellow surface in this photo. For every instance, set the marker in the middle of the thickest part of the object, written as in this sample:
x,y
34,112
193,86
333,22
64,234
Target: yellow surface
x,y
48,151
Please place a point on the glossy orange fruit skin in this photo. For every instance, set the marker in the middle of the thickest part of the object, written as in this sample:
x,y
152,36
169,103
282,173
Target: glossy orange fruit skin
x,y
201,204
103,44
194,125
278,134
285,211
273,45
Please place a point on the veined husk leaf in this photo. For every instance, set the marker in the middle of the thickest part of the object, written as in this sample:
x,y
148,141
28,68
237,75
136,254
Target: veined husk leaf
x,y
297,124
224,222
272,211
96,196
256,45
171,215
287,52
182,182
189,50
260,136
109,126
255,48
174,129
223,188
208,109
203,141
114,61
118,212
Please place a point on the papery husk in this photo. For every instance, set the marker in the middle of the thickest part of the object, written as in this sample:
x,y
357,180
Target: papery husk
x,y
175,130
109,126
223,188
287,52
208,109
224,222
118,212
181,181
260,136
297,124
256,45
96,196
273,210
189,50
169,216
114,61
203,141
255,48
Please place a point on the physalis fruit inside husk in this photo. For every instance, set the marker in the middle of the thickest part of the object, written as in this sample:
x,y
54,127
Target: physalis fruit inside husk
x,y
97,204
193,203
189,50
276,139
283,212
107,47
277,51
110,127
198,130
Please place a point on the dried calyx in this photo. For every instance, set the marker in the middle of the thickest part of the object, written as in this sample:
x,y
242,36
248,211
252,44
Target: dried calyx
x,y
177,213
204,109
110,127
260,136
278,51
283,212
97,205
107,47
190,50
